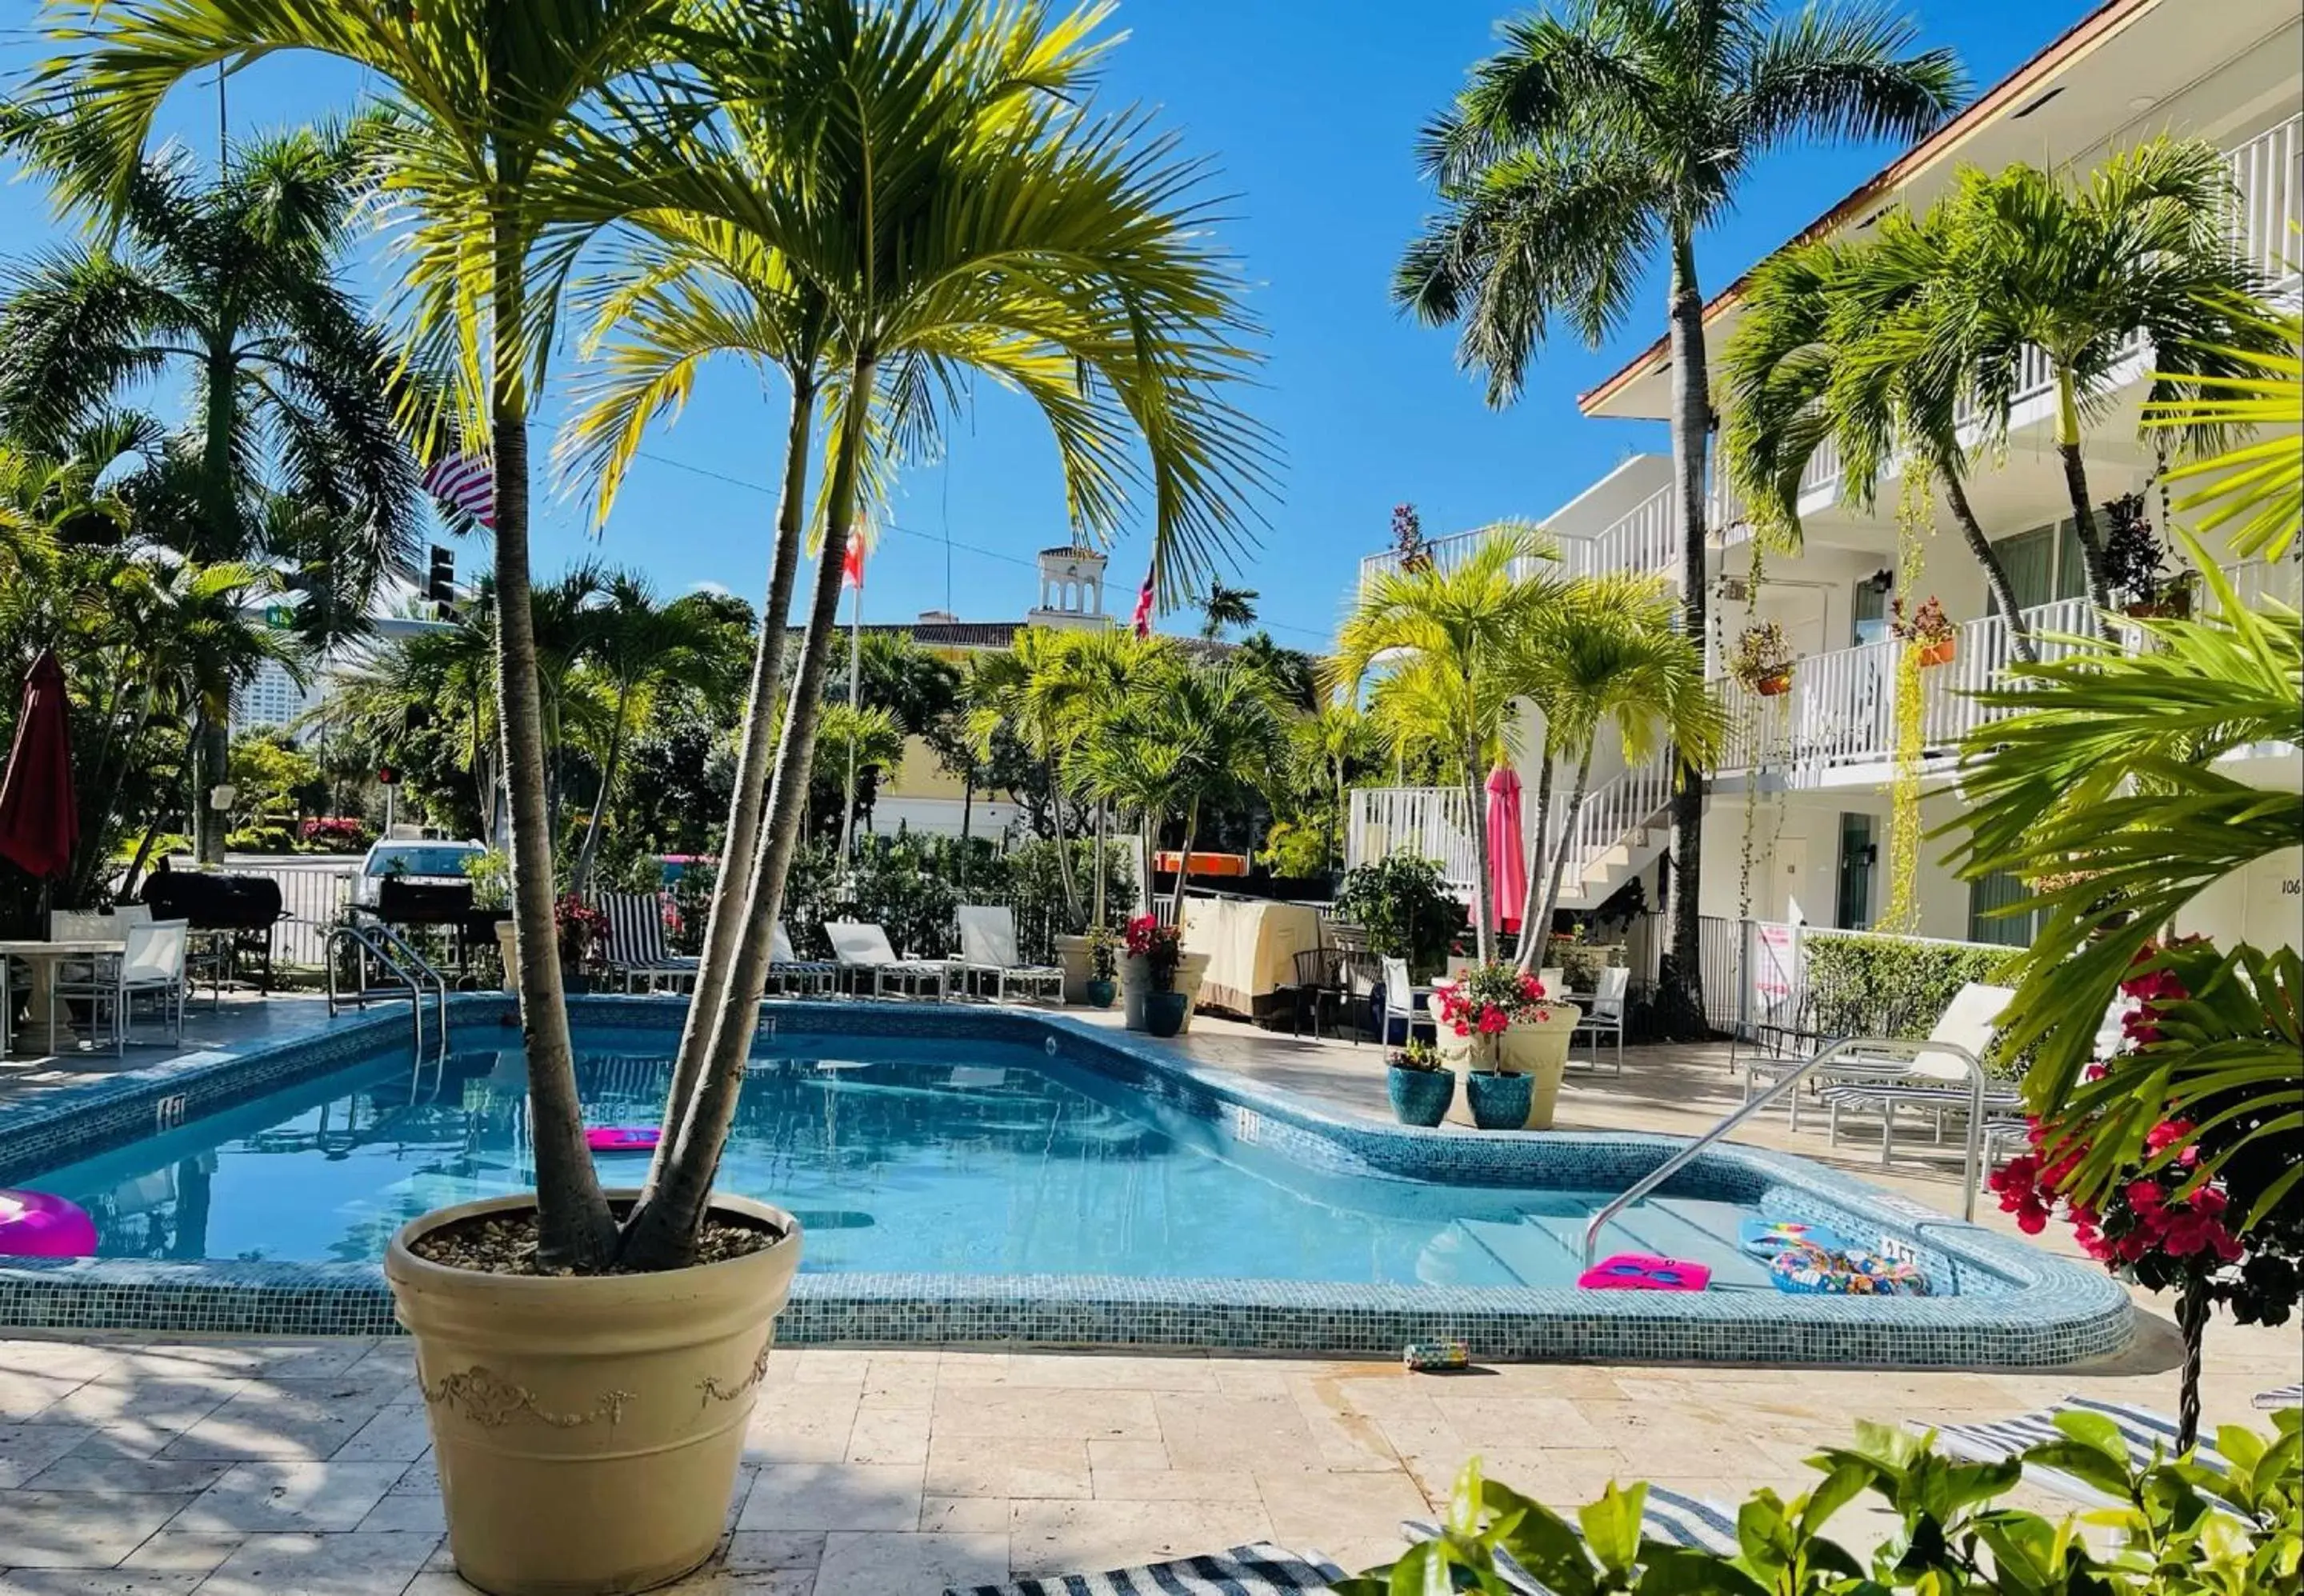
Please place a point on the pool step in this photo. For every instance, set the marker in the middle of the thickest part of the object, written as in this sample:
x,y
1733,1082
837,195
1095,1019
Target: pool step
x,y
1547,1249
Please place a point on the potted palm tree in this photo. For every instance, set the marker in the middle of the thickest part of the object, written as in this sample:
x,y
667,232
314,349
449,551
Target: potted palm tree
x,y
588,1358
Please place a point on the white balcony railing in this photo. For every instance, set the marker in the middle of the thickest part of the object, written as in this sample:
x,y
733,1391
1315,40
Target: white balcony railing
x,y
1645,538
1431,823
1841,709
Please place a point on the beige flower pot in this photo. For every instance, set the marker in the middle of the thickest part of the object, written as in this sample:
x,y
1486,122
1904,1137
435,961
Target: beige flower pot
x,y
1135,980
1072,958
508,945
1537,1051
588,1429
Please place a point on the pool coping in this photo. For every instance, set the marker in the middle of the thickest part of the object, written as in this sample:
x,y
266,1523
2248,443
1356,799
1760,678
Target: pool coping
x,y
2043,1311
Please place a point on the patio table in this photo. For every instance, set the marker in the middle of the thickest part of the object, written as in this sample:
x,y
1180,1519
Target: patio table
x,y
44,957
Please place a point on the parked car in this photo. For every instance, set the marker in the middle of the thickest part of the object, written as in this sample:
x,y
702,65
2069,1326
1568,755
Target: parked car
x,y
422,860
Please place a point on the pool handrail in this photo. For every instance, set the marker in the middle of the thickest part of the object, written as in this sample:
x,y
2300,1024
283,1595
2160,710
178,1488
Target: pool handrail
x,y
399,960
1895,1050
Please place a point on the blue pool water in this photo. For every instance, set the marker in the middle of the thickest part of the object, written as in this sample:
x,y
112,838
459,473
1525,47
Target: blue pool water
x,y
899,1155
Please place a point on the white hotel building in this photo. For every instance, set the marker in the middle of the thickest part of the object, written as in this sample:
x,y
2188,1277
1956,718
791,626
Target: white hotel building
x,y
1814,795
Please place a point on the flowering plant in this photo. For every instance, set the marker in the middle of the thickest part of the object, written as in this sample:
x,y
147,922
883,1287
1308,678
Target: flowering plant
x,y
1489,998
1762,651
1103,963
582,930
1408,538
1160,948
1927,624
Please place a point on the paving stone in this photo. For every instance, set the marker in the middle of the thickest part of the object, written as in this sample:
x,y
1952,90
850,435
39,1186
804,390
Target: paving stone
x,y
353,1564
802,1423
908,1564
107,1475
96,1582
1051,1537
889,1435
1007,1411
398,1433
278,1497
283,1418
183,1550
75,1529
27,1450
407,1513
1004,1466
1350,1518
813,1497
943,1515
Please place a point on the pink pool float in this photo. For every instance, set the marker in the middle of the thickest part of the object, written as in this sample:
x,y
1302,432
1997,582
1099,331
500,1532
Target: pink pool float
x,y
1645,1271
40,1224
621,1138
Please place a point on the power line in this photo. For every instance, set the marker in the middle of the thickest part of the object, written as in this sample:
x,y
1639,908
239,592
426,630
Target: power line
x,y
944,537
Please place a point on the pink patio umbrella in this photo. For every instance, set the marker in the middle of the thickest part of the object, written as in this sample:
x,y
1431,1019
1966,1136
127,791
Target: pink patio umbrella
x,y
1507,854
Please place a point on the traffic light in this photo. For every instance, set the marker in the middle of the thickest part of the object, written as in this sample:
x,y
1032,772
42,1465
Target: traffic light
x,y
440,582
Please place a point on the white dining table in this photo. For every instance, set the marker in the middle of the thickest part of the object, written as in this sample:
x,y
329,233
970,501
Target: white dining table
x,y
40,1019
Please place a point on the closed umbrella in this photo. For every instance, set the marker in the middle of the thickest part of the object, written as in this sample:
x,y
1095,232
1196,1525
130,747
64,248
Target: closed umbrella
x,y
40,822
1507,855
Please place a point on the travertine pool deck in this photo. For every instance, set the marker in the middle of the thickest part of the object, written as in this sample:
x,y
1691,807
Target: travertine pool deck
x,y
136,1465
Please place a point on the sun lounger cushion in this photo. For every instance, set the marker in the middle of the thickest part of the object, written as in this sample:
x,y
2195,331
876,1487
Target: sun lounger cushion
x,y
1258,1570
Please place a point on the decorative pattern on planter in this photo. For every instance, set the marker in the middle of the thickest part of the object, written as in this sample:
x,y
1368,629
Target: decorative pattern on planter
x,y
488,1399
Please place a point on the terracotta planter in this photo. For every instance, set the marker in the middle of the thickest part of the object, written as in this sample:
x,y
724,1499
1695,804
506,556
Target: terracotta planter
x,y
1136,981
1939,652
1420,1097
1775,684
508,945
588,1429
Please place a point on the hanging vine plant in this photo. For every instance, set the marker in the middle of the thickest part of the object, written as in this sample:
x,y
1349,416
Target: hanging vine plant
x,y
1915,522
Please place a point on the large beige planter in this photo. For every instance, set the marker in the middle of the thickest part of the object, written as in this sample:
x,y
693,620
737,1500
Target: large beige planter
x,y
588,1429
1135,980
1537,1051
1073,958
508,945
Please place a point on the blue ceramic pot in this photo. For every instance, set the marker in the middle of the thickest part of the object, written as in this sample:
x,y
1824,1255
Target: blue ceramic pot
x,y
1499,1103
1100,993
1164,1013
1421,1097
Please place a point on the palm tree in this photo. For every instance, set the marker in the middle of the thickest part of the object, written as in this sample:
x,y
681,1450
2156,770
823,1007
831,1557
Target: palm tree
x,y
1447,642
641,647
1609,653
2259,484
1223,608
234,284
871,736
1606,133
1834,346
1328,742
1079,273
2079,272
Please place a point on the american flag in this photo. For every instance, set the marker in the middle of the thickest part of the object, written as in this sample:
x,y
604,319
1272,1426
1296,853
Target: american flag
x,y
465,482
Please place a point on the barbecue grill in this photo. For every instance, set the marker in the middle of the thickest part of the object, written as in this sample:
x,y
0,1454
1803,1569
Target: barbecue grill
x,y
246,906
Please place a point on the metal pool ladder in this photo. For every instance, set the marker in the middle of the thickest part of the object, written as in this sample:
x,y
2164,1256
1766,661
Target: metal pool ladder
x,y
1881,1052
406,966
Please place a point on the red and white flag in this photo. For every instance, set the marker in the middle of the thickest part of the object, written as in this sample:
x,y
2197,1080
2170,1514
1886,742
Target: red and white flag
x,y
1143,617
852,564
465,482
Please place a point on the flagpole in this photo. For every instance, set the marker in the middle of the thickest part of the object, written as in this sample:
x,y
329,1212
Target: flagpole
x,y
855,706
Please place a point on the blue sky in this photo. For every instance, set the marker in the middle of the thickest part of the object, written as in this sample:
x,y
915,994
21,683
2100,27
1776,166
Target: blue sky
x,y
1309,114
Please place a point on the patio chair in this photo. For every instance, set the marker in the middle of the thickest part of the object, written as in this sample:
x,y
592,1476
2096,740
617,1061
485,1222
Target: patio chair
x,y
151,964
1935,1075
2279,1397
1604,1013
987,951
1258,1570
863,949
1668,1516
1405,1001
1319,983
793,976
2143,1430
636,948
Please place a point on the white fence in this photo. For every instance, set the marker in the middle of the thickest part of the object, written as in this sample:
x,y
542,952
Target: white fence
x,y
1757,985
1644,538
1432,823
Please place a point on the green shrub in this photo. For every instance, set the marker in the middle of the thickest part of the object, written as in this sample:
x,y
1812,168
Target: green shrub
x,y
2166,1538
1405,907
1891,985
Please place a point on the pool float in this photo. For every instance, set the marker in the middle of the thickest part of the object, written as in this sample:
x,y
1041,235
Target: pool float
x,y
621,1138
1645,1271
1817,1271
1764,1238
38,1225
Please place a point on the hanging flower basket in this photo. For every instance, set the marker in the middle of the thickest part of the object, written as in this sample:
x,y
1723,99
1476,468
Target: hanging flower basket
x,y
1938,653
1928,630
1762,659
1776,683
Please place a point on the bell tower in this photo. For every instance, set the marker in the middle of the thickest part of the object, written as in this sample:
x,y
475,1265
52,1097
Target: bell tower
x,y
1071,589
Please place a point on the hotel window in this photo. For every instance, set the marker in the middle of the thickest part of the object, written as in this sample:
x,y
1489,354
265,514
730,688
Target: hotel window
x,y
1852,907
1987,894
2044,565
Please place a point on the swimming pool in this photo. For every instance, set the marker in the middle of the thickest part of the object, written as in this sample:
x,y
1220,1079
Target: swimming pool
x,y
990,1174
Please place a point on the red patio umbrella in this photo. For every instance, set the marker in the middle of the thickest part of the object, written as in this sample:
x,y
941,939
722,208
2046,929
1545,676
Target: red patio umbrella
x,y
1507,854
40,822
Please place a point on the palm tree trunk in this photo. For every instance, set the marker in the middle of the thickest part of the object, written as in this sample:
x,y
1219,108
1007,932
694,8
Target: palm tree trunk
x,y
1567,834
2076,484
1682,993
580,874
1484,914
1533,933
739,846
1064,843
663,1231
1102,817
211,759
1184,865
574,1228
1996,574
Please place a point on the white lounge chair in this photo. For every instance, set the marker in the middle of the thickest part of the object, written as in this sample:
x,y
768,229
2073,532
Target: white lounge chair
x,y
1884,1070
987,951
793,975
862,948
636,951
2142,1430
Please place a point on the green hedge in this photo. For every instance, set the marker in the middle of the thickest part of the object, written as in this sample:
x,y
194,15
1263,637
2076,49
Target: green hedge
x,y
1890,986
